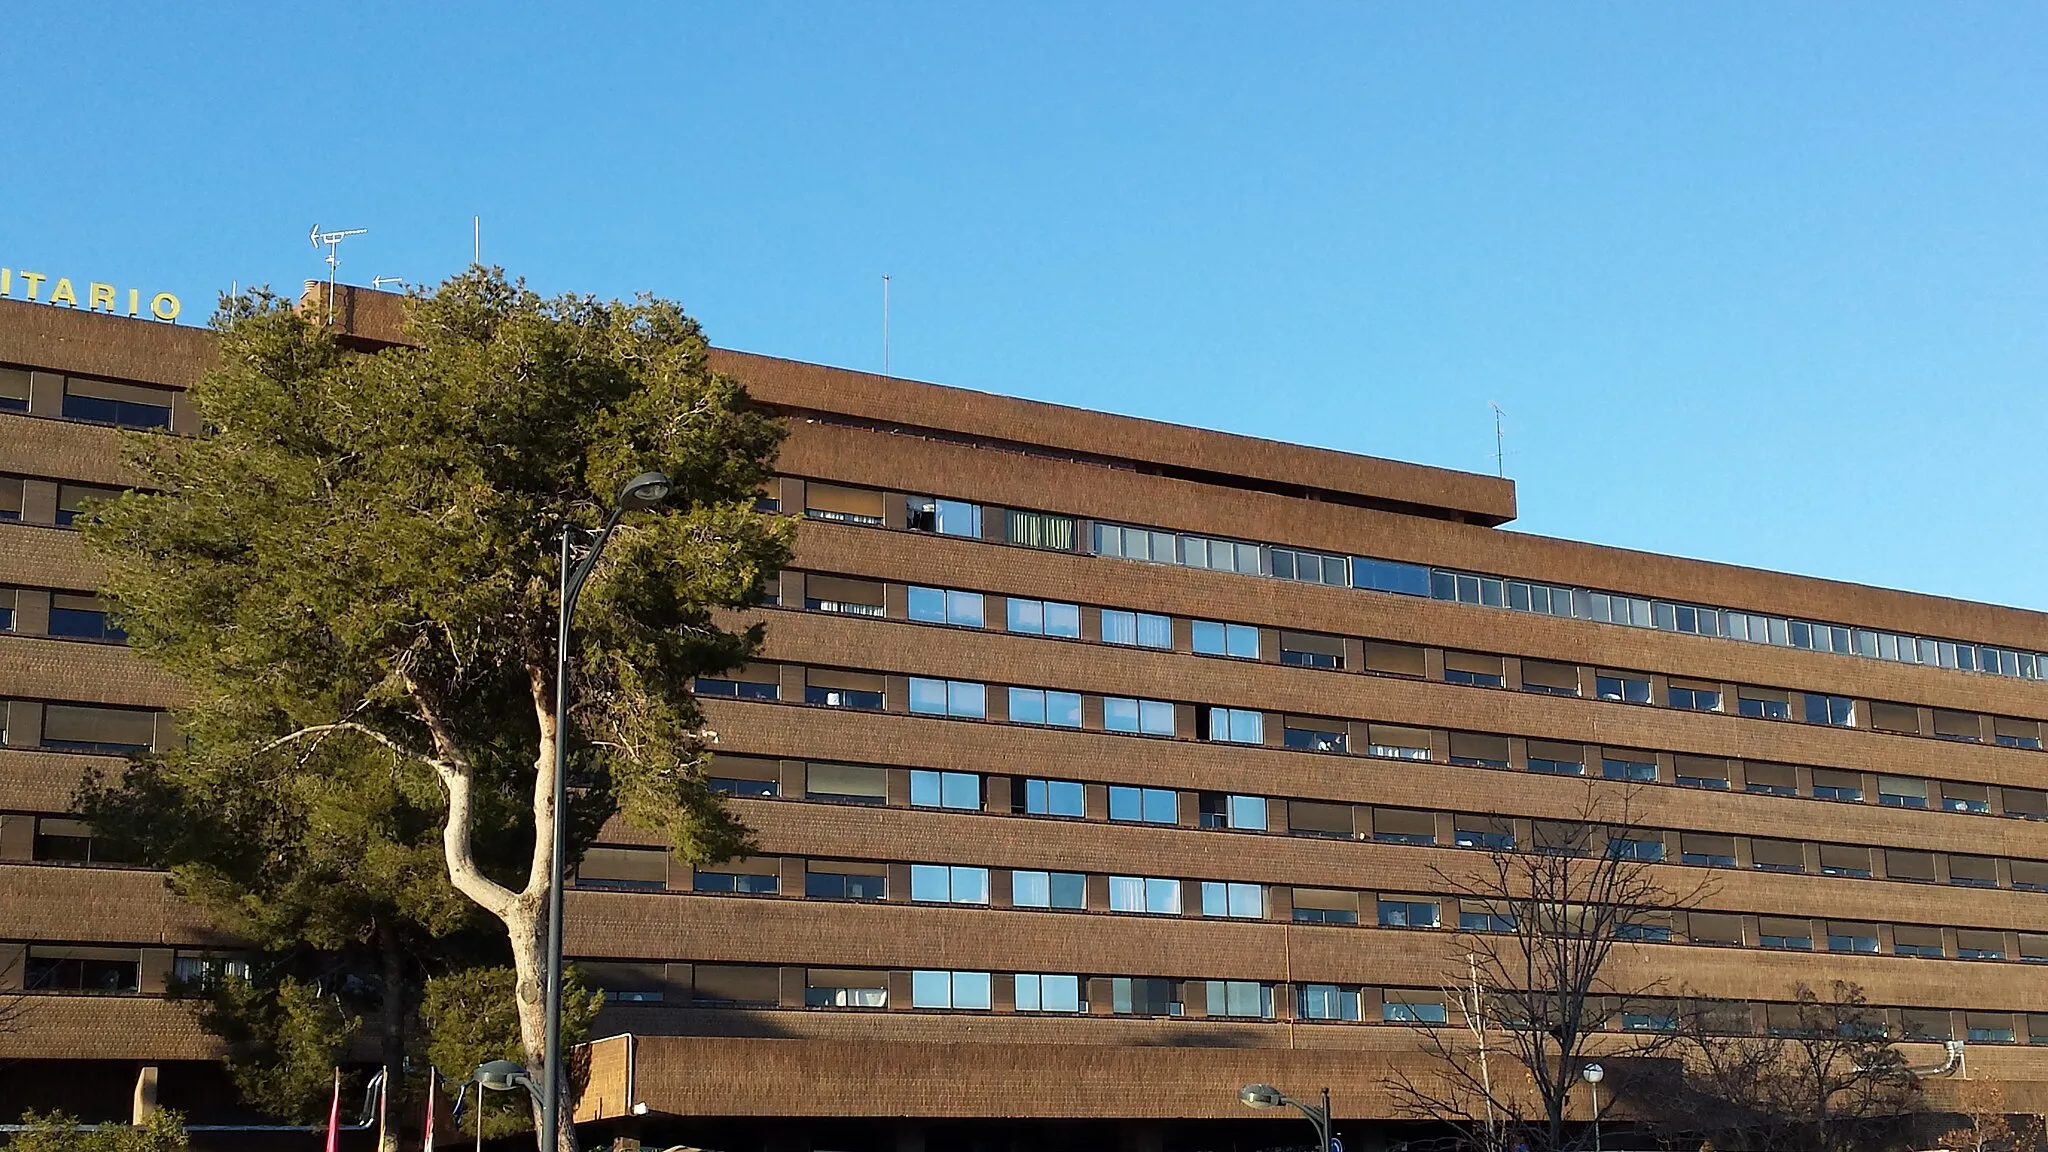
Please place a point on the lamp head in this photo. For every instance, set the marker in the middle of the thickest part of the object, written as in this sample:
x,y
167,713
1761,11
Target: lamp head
x,y
644,491
1259,1096
1593,1073
501,1075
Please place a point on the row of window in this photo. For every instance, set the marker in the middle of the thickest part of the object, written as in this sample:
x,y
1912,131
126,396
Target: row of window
x,y
751,986
638,869
1243,641
64,615
85,399
77,727
1051,707
65,500
956,517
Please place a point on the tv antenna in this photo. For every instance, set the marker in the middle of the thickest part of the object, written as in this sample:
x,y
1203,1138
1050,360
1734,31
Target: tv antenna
x,y
378,282
333,241
1500,467
885,323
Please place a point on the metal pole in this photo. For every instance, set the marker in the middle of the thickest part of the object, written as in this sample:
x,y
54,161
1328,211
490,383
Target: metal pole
x,y
1596,1116
1326,1120
551,1078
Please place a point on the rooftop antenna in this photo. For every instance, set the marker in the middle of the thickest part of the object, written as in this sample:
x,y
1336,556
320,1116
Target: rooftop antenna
x,y
885,323
378,282
333,241
1500,467
476,239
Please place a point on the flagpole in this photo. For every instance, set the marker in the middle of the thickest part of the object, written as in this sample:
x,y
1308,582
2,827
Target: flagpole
x,y
334,1116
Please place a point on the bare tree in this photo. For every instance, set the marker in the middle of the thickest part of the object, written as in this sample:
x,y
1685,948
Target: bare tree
x,y
1540,922
1985,1126
1823,1075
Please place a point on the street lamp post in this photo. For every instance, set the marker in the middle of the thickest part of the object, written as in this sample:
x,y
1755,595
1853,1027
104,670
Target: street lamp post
x,y
1267,1096
1593,1074
643,491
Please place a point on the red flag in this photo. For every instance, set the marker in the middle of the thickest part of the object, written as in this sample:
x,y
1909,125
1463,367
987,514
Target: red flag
x,y
427,1144
334,1116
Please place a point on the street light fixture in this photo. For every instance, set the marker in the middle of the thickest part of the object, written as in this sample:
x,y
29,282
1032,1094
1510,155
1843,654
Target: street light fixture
x,y
504,1076
1267,1096
641,492
1593,1074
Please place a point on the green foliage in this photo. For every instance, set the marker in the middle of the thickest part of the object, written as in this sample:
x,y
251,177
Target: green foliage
x,y
164,1131
470,1019
283,1042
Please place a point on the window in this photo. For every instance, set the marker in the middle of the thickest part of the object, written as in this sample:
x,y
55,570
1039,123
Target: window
x,y
1309,567
1988,1028
10,498
1327,1002
1403,1007
60,840
1220,555
2016,733
845,505
1047,993
1964,726
1236,901
1247,999
845,988
1623,767
1476,751
1972,798
623,869
1308,650
1557,759
1313,736
842,596
845,690
939,989
1472,668
945,790
946,517
1792,935
1150,717
1770,779
1975,945
1653,928
1402,826
1051,797
189,967
1389,576
1763,704
1695,697
1917,867
734,984
1899,718
1474,916
1921,943
1852,937
1219,810
745,776
1703,851
1653,1017
756,883
1045,618
2030,875
1493,833
1846,787
1135,544
1394,660
1144,805
1397,743
1901,792
1239,640
948,884
750,682
1039,530
1408,912
1634,848
1706,928
1844,860
7,602
1697,772
82,969
946,606
1562,837
127,405
1973,871
1307,818
1144,894
948,698
1550,679
1044,706
14,386
846,784
1325,906
2024,803
1048,889
111,731
1235,726
1626,687
1839,711
1130,996
827,881
1136,629
81,618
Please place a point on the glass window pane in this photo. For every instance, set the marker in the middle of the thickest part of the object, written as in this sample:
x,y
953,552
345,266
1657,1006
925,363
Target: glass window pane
x,y
1126,803
1247,727
1063,709
1162,896
970,990
931,989
1119,714
1062,619
1248,812
1126,894
1069,890
930,882
1119,627
961,790
1208,638
1155,718
1027,706
928,696
1030,889
1026,616
970,885
964,699
1154,631
924,788
1027,994
1162,806
1060,993
928,604
964,609
1063,798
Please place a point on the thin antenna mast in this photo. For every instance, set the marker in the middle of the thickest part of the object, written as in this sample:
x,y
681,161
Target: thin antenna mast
x,y
1500,466
333,241
476,239
885,323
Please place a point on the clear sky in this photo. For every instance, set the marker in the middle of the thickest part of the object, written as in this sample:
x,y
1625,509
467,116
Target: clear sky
x,y
1760,283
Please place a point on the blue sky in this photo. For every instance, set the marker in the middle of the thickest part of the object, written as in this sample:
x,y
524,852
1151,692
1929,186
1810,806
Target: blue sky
x,y
1765,284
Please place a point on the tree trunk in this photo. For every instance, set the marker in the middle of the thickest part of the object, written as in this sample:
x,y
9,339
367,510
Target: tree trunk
x,y
392,1028
528,928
